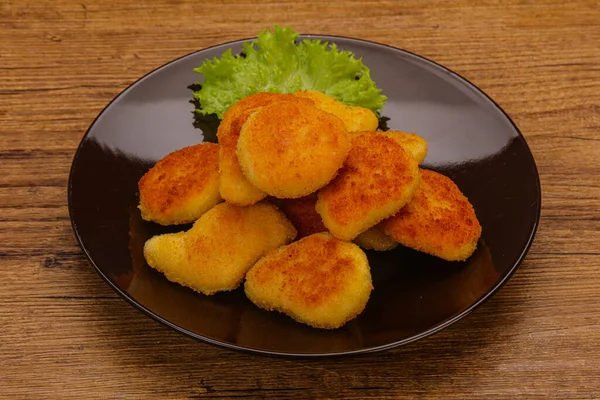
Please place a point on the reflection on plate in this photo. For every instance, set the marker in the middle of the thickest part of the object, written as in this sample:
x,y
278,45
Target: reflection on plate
x,y
470,139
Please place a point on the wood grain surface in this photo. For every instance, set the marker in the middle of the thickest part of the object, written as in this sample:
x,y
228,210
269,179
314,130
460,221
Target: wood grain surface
x,y
64,334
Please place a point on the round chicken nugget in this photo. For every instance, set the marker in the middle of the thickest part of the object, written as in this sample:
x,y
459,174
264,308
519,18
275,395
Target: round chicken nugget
x,y
319,280
290,150
439,220
182,186
378,178
234,187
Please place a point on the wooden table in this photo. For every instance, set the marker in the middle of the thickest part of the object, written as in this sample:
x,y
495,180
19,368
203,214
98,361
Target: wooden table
x,y
65,334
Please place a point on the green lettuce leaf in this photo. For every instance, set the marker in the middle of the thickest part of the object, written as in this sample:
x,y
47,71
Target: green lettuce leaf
x,y
276,63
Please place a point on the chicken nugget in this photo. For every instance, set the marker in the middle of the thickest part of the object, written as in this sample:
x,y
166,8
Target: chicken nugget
x,y
374,239
215,254
234,187
182,186
379,177
290,150
414,144
439,220
303,215
355,118
319,280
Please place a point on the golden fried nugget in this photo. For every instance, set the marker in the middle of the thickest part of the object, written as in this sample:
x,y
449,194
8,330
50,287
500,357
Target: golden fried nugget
x,y
378,178
355,118
290,150
439,220
414,144
301,212
319,280
215,254
234,187
182,186
374,239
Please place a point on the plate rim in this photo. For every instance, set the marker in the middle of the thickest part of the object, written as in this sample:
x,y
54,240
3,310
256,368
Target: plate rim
x,y
247,349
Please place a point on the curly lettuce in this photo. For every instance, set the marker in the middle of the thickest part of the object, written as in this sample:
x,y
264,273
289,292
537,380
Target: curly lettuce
x,y
276,63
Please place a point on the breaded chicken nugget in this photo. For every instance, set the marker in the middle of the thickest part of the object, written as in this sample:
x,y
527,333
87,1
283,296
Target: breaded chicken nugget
x,y
415,145
319,280
355,118
303,215
234,187
215,254
290,150
439,220
378,178
182,186
374,239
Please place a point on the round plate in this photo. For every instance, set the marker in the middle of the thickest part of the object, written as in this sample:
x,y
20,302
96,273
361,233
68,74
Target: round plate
x,y
470,139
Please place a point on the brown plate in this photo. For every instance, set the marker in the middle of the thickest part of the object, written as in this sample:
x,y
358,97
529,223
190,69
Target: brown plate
x,y
470,139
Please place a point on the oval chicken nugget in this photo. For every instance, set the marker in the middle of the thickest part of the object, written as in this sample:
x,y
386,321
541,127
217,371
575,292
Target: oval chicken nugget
x,y
355,118
439,220
374,239
234,187
378,178
182,186
414,144
290,149
215,254
319,280
303,215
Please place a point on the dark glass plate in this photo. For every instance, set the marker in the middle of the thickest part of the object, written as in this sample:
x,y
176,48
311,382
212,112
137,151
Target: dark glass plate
x,y
470,139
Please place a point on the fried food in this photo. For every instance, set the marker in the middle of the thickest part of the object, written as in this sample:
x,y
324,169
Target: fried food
x,y
355,118
182,186
215,254
379,177
414,144
439,220
374,239
290,150
319,280
234,187
301,212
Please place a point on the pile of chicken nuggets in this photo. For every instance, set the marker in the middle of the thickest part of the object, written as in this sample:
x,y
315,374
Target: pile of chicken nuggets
x,y
297,187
